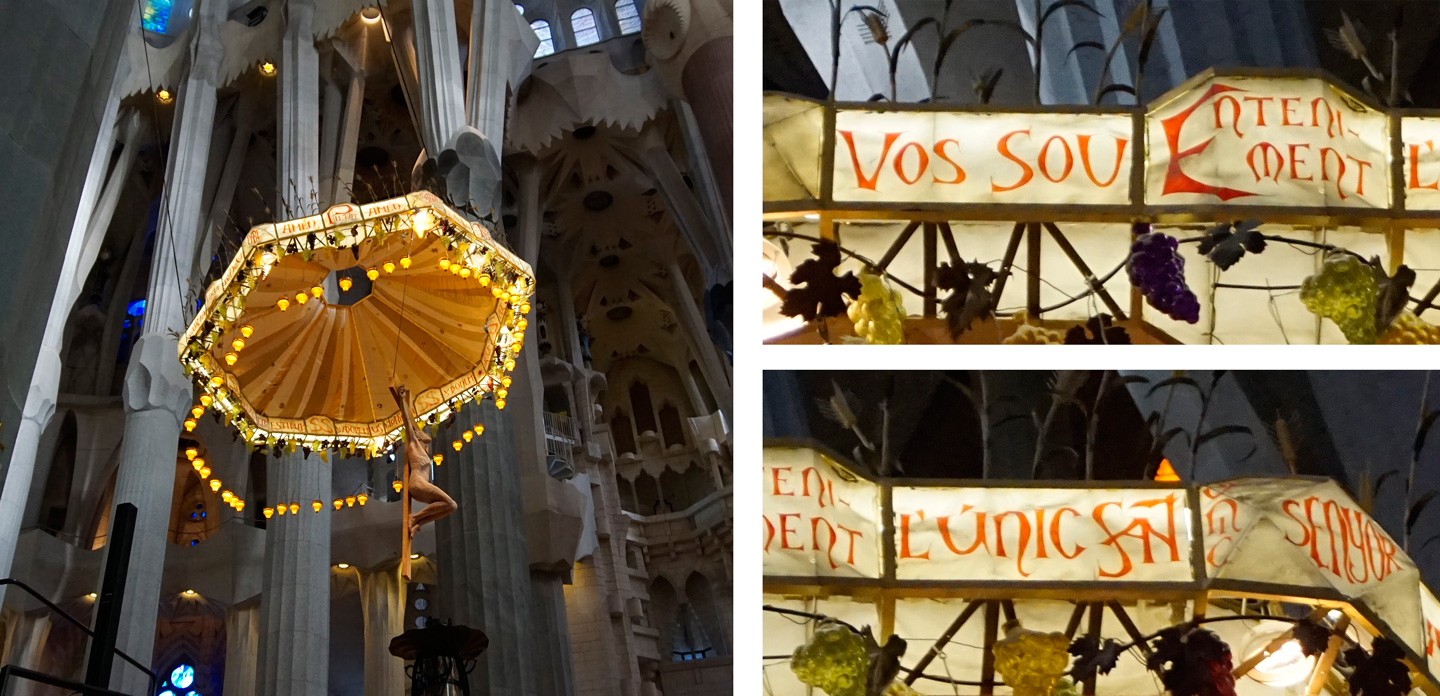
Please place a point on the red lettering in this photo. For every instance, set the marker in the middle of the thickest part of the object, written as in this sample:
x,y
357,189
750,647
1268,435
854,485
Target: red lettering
x,y
940,153
900,162
1055,533
1294,160
1265,150
1176,180
775,474
1045,159
769,534
1415,168
1286,112
815,536
854,534
786,531
944,524
1024,538
1234,114
1260,103
861,180
1325,153
905,536
1360,177
1027,173
1084,142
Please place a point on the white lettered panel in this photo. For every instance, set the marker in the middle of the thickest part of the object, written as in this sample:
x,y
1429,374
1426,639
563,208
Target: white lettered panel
x,y
820,520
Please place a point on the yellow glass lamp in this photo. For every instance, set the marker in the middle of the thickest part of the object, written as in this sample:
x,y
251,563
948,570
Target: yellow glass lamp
x,y
226,495
283,304
239,505
246,330
216,381
372,273
339,503
301,297
484,279
197,411
231,358
349,501
294,508
317,505
204,472
455,269
268,512
1166,472
457,445
206,400
502,392
397,485
345,283
198,463
280,509
362,498
438,459
444,264
465,272
267,69
189,425
405,262
506,381
1031,662
479,429
467,435
215,485
317,291
164,96
524,309
191,453
238,344
500,404
389,266
523,323
509,364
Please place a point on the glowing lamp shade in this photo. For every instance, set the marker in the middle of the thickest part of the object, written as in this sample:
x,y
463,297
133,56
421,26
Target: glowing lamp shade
x,y
215,485
317,291
339,503
280,509
444,264
505,381
294,508
349,501
484,279
246,330
457,445
389,266
372,273
216,381
479,429
206,400
317,505
239,505
231,358
405,262
1166,472
198,463
465,273
267,69
467,435
362,499
197,411
164,96
190,425
345,283
438,459
204,472
370,15
397,485
191,453
502,393
524,309
283,304
268,512
1285,666
500,404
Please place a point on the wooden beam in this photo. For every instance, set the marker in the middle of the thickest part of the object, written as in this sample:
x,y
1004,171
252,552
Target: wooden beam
x,y
1032,270
987,661
931,265
1090,279
1075,616
1097,625
1011,249
943,640
1249,663
951,249
897,245
1129,626
1008,606
405,570
1327,658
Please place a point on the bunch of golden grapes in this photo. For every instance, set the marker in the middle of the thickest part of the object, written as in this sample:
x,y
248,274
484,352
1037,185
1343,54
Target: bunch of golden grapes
x,y
1408,329
1344,291
879,312
834,660
1029,334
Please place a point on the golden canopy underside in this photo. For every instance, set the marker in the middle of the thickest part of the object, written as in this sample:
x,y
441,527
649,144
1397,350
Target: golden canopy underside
x,y
425,326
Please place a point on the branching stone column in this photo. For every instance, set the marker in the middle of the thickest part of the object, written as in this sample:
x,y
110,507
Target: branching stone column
x,y
156,394
242,649
692,324
295,599
298,151
382,605
437,59
483,563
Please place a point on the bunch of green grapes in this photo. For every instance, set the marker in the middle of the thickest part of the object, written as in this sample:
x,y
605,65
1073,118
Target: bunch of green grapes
x,y
1344,291
1408,329
833,660
1029,334
900,688
878,312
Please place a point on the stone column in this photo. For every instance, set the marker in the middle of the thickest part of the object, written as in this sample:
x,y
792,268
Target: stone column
x,y
493,44
705,244
382,604
709,82
132,134
333,108
483,562
437,58
27,644
703,173
349,138
242,649
299,118
229,180
692,391
295,597
156,393
551,635
692,324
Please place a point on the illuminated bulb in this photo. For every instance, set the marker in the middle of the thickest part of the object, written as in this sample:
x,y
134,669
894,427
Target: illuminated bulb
x,y
370,15
204,472
510,365
361,499
345,283
397,485
404,261
191,453
164,96
246,330
455,269
317,291
230,358
467,435
216,381
339,503
349,501
294,508
197,411
342,566
414,556
206,399
479,429
422,222
283,304
465,272
495,290
189,425
372,273
267,69
301,297
523,322
92,595
198,463
438,459
500,404
505,380
317,505
268,512
239,505
227,496
502,393
525,309
389,266
215,485
280,509
189,593
484,279
444,264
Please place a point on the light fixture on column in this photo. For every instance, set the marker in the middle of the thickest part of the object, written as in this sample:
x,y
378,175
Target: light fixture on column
x,y
188,593
191,453
370,15
92,595
204,472
342,566
267,69
164,96
349,501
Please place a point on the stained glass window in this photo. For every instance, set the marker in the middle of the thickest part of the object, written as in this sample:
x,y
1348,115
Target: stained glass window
x,y
547,44
519,8
155,16
182,676
629,16
582,22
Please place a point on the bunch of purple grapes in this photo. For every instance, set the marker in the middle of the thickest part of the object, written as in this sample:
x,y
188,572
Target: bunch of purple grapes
x,y
1156,268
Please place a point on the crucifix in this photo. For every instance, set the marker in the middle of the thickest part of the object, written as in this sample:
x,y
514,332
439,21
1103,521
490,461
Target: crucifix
x,y
417,480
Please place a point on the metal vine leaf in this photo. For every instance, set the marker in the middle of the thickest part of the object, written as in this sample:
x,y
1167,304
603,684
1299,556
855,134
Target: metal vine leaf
x,y
1413,515
1226,243
1097,330
823,292
1092,656
1394,293
1192,662
970,296
1312,636
1380,672
1064,4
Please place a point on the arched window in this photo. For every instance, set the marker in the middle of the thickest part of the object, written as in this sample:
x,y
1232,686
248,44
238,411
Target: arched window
x,y
155,16
547,44
629,16
582,23
519,8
